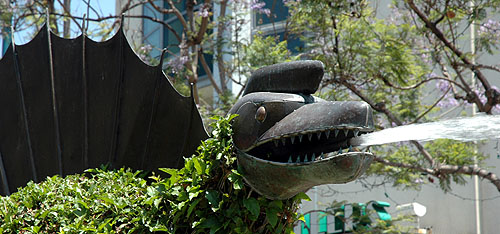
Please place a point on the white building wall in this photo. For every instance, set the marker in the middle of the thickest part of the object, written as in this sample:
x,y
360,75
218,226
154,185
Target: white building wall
x,y
132,26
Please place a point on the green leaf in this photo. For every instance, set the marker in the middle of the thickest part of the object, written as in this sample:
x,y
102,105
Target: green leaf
x,y
278,204
210,222
236,179
213,198
272,216
192,206
301,196
170,171
252,205
199,166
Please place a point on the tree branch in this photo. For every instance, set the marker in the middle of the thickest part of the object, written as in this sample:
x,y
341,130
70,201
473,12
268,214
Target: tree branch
x,y
203,26
431,107
491,100
208,71
445,170
483,66
388,83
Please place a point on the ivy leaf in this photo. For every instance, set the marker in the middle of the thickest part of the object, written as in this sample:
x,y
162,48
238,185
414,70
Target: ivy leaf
x,y
199,166
213,198
302,196
170,171
253,206
272,216
236,180
211,223
192,206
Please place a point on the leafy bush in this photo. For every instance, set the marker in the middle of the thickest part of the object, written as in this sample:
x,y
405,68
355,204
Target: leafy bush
x,y
207,195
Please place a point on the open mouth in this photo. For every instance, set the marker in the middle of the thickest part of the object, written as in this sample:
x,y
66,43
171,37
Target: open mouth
x,y
308,146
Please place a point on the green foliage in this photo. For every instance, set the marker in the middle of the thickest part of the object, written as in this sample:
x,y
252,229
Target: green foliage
x,y
264,51
453,153
443,150
373,54
105,201
208,195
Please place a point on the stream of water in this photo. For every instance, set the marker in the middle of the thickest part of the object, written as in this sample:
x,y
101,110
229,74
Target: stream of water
x,y
479,127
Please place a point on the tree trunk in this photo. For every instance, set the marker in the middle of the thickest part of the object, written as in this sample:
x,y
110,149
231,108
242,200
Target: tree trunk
x,y
67,21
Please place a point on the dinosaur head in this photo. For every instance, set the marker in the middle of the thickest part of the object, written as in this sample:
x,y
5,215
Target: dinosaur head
x,y
289,141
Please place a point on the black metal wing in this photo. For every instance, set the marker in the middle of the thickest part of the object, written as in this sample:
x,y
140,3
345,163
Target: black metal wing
x,y
71,104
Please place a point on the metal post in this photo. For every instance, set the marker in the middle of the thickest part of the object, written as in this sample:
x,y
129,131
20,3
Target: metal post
x,y
477,202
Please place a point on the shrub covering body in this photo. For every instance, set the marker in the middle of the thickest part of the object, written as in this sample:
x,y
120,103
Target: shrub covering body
x,y
207,195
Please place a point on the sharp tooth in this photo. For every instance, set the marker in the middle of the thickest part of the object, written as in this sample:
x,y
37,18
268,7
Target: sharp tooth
x,y
276,142
346,131
292,139
298,158
310,135
327,133
340,151
305,159
356,132
319,135
313,157
290,159
300,138
283,140
336,132
350,148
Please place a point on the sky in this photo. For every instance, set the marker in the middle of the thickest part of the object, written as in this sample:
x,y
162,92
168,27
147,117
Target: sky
x,y
78,9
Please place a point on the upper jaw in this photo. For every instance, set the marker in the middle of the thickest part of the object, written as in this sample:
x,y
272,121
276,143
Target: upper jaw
x,y
312,131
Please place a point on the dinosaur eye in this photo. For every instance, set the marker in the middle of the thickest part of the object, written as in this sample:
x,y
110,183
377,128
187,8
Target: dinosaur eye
x,y
261,114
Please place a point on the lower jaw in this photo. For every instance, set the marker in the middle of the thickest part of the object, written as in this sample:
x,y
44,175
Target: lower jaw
x,y
279,181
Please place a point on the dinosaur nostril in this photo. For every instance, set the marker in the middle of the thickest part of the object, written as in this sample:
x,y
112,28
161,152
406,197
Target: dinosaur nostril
x,y
261,114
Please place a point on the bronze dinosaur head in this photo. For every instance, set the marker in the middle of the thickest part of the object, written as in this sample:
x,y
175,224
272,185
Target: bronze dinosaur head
x,y
288,140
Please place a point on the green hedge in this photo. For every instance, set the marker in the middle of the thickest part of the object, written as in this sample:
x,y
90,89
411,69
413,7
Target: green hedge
x,y
207,195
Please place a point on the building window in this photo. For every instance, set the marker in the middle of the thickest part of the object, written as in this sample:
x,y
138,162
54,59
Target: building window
x,y
274,25
152,31
161,37
279,12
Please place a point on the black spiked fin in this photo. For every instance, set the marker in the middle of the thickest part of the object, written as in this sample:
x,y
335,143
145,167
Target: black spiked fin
x,y
103,106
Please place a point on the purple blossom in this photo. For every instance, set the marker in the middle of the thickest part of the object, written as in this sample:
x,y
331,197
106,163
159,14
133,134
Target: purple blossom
x,y
489,25
177,64
144,51
490,30
442,85
395,16
256,5
259,7
448,100
203,12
